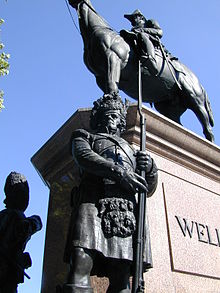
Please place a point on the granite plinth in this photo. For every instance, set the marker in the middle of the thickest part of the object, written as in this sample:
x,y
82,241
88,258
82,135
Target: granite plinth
x,y
183,212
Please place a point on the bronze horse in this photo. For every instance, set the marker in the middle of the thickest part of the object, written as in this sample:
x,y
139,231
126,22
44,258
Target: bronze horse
x,y
115,65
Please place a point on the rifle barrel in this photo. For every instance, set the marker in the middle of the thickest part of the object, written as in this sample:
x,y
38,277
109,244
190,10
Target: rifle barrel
x,y
138,279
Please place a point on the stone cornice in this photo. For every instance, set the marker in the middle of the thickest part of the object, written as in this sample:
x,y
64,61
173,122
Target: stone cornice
x,y
164,137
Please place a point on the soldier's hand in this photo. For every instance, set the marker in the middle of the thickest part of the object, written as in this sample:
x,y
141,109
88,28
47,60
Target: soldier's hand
x,y
143,161
132,182
128,35
138,30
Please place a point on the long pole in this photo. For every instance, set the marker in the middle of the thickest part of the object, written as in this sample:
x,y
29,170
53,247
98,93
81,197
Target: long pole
x,y
138,278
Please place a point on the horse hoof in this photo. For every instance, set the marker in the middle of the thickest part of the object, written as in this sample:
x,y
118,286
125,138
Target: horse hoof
x,y
210,137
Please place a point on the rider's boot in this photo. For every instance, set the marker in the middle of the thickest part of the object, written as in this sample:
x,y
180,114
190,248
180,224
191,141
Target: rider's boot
x,y
71,288
147,53
149,62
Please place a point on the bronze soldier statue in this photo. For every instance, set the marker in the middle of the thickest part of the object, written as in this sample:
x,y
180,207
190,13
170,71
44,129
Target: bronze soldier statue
x,y
15,231
103,221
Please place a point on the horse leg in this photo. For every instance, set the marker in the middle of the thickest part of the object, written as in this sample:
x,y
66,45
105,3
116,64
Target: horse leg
x,y
198,107
108,82
101,83
195,98
113,72
172,109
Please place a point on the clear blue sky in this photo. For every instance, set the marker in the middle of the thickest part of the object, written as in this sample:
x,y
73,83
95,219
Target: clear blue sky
x,y
48,81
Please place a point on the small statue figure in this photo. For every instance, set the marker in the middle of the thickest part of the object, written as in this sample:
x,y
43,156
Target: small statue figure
x,y
103,221
144,36
15,231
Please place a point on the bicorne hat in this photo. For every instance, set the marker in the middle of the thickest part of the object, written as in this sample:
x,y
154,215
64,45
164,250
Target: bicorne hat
x,y
130,17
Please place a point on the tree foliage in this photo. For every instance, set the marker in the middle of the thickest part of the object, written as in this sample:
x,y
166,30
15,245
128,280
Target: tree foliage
x,y
4,66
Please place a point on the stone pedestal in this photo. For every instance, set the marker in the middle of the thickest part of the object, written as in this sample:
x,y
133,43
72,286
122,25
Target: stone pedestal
x,y
184,212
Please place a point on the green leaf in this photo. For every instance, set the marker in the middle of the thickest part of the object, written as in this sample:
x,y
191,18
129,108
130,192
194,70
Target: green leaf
x,y
4,67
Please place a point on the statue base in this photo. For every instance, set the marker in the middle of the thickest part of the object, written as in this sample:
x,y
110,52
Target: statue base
x,y
183,213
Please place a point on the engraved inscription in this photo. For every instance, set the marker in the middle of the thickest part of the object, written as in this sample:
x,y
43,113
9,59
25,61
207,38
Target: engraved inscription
x,y
202,232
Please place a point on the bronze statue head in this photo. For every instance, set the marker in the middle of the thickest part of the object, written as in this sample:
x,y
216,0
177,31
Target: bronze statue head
x,y
109,111
136,18
16,191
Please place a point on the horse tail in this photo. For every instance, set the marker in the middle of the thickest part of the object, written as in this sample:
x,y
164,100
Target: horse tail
x,y
208,107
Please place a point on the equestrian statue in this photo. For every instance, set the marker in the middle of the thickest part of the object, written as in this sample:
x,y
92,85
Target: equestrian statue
x,y
113,58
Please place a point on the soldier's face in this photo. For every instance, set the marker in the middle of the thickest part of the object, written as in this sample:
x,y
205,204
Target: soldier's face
x,y
139,21
111,121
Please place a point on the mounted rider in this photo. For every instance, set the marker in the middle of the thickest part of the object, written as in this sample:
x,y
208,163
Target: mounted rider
x,y
145,36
